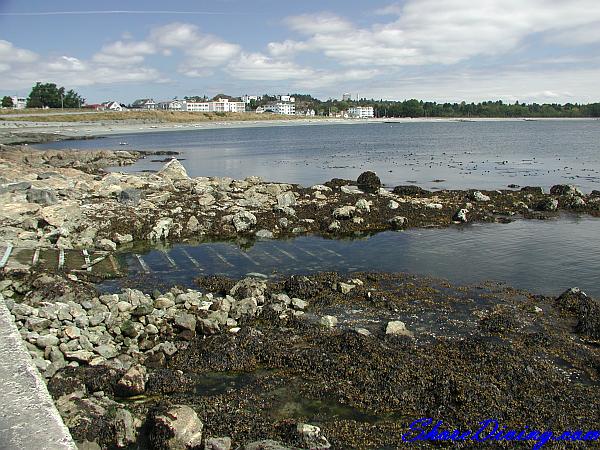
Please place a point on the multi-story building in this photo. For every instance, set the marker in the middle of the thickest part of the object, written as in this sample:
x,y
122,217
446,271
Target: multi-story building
x,y
221,105
285,98
346,97
19,102
248,98
173,105
285,108
361,112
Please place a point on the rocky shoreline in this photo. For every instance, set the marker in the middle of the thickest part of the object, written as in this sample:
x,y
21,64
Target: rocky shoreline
x,y
64,199
324,361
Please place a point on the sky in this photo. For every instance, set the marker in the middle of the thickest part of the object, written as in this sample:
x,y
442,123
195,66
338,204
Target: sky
x,y
545,51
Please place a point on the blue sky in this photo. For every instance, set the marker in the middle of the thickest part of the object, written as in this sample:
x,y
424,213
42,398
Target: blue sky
x,y
442,50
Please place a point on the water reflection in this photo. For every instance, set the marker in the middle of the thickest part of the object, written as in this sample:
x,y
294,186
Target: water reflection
x,y
542,256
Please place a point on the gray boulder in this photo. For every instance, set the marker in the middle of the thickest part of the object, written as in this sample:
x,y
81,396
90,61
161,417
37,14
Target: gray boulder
x,y
186,321
41,196
179,428
129,197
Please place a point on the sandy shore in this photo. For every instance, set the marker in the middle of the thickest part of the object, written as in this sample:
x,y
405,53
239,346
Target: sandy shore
x,y
107,128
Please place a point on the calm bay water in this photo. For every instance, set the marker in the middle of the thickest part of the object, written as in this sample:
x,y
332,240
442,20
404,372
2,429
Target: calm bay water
x,y
542,256
484,155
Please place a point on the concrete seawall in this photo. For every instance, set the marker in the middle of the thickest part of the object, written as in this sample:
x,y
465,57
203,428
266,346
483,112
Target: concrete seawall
x,y
28,417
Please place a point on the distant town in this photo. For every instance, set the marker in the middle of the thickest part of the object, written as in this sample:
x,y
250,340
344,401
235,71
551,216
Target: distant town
x,y
260,104
351,106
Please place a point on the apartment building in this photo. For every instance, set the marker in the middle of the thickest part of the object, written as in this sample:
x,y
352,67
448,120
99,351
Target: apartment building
x,y
361,112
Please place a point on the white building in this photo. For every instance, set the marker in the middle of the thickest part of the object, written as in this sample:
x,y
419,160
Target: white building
x,y
172,105
285,108
309,112
346,96
112,106
248,98
221,105
286,98
361,112
19,102
144,103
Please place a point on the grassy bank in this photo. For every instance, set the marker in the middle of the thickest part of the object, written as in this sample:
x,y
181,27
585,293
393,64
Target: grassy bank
x,y
149,116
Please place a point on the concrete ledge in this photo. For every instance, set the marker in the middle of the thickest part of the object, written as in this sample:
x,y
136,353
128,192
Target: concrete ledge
x,y
28,417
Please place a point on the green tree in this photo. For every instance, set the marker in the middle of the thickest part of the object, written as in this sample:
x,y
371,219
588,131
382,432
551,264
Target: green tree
x,y
49,95
7,102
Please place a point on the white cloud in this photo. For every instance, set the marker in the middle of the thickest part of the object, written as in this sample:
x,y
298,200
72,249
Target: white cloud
x,y
286,48
26,68
318,23
121,53
256,66
510,85
581,35
438,31
201,50
11,54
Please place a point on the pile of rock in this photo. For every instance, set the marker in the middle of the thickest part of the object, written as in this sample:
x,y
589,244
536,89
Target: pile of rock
x,y
118,330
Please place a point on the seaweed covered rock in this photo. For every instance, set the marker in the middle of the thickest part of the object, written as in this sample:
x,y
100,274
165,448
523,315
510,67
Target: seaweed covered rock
x,y
589,318
547,204
409,189
368,181
566,189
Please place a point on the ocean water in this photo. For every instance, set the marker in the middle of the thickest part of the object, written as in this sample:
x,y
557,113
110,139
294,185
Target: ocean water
x,y
433,155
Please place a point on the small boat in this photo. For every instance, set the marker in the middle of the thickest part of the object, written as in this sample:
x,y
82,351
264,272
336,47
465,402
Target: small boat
x,y
123,143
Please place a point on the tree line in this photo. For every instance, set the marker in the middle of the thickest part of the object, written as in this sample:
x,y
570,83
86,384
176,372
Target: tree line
x,y
420,108
49,95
